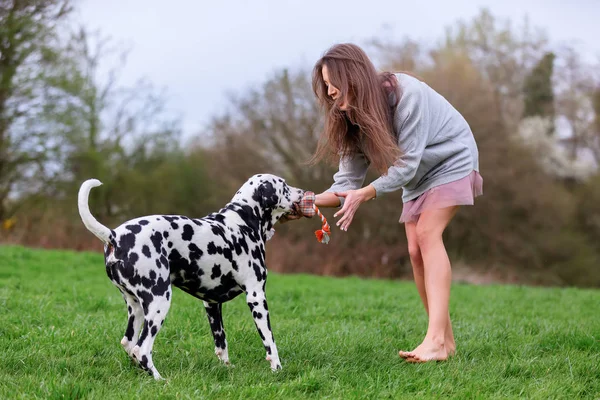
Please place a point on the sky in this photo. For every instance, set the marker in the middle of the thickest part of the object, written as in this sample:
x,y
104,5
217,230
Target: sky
x,y
198,51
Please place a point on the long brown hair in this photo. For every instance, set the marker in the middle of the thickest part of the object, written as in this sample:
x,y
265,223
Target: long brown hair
x,y
367,124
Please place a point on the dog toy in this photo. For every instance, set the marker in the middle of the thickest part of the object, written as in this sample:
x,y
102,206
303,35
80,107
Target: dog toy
x,y
308,208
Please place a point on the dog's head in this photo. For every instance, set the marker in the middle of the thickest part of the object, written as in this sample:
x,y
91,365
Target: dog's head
x,y
270,197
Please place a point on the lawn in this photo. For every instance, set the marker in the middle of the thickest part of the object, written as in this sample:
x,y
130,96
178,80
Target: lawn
x,y
61,321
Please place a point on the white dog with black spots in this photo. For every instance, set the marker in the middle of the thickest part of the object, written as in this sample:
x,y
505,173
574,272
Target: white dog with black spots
x,y
214,259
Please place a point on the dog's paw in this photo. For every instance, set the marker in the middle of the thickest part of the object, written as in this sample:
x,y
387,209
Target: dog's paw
x,y
275,363
128,347
276,367
223,355
157,377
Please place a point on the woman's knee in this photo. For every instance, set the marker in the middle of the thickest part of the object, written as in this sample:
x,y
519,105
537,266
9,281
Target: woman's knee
x,y
428,234
415,254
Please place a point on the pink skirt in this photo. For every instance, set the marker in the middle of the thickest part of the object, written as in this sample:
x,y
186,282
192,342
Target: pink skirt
x,y
457,193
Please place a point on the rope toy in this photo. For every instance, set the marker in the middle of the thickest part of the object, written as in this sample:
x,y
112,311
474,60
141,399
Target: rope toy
x,y
323,233
308,208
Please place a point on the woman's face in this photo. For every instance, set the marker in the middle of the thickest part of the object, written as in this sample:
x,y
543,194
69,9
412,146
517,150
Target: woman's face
x,y
332,91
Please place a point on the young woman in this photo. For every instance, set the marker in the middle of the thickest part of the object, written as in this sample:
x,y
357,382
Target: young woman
x,y
417,141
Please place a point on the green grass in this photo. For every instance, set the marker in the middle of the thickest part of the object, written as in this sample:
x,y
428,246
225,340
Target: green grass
x,y
61,321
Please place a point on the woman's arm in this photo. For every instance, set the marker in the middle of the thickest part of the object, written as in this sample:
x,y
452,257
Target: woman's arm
x,y
327,199
350,176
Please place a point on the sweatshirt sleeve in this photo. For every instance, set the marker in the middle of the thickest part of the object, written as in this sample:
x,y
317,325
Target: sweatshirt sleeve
x,y
413,124
351,174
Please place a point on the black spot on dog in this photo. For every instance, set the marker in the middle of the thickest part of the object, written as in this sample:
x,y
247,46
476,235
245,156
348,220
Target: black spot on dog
x,y
216,271
170,244
132,259
144,333
156,239
147,282
144,361
268,349
166,234
171,219
237,246
134,228
174,225
146,299
195,252
126,243
227,254
197,222
143,222
257,315
152,275
256,254
146,251
258,271
112,270
161,287
188,232
218,230
129,331
219,339
266,196
211,248
265,305
269,322
154,331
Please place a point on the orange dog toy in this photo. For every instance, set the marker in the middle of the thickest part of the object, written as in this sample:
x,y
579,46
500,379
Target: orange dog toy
x,y
308,208
324,233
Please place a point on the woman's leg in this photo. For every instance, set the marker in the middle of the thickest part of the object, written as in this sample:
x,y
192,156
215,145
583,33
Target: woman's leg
x,y
433,277
416,261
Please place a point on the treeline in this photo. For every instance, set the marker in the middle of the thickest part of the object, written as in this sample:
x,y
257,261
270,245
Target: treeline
x,y
534,108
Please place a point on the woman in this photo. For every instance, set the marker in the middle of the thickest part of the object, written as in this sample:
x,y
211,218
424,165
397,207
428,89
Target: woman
x,y
417,141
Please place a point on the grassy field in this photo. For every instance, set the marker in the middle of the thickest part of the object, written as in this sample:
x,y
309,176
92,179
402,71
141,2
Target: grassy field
x,y
61,321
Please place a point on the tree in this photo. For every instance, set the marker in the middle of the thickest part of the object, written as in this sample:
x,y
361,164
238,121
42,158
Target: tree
x,y
102,129
539,93
594,140
28,50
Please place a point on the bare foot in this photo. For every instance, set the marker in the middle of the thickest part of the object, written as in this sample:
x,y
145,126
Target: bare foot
x,y
409,354
429,350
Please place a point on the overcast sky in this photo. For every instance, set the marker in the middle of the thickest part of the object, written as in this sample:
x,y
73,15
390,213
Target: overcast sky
x,y
199,50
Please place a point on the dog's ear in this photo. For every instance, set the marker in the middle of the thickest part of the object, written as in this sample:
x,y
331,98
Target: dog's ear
x,y
266,195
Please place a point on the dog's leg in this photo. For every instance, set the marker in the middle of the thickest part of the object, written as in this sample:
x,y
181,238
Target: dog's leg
x,y
257,301
215,318
155,312
134,323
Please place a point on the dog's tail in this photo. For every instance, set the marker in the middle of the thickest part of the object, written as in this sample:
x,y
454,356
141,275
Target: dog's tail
x,y
101,231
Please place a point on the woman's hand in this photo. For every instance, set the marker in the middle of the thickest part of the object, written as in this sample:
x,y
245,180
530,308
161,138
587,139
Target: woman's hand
x,y
353,199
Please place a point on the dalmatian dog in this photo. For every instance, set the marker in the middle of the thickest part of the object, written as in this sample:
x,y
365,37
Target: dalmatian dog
x,y
214,259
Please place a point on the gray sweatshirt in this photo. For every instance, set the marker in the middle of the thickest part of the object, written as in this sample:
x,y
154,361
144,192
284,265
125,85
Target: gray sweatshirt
x,y
437,146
